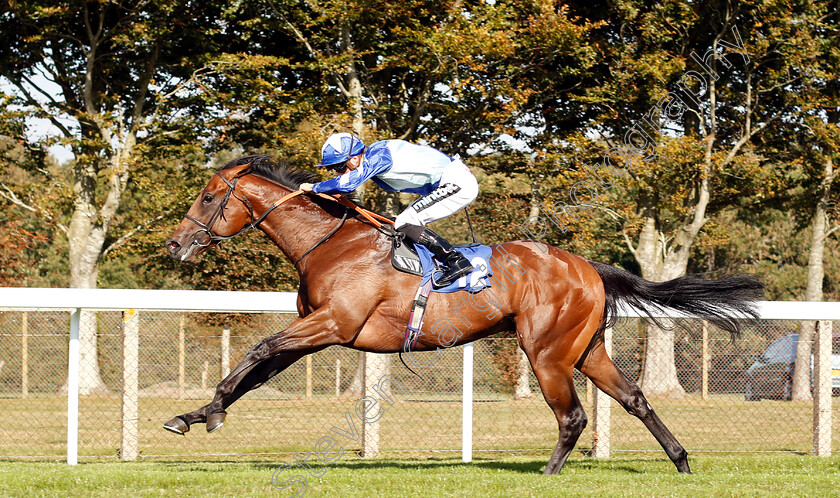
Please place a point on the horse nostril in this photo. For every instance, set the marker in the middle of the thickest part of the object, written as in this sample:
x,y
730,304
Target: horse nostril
x,y
173,246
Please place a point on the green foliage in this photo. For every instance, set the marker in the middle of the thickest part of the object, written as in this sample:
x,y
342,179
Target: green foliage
x,y
531,93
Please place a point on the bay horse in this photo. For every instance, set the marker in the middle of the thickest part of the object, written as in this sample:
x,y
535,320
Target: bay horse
x,y
558,304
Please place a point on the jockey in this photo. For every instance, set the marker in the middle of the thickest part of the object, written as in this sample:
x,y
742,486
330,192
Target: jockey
x,y
444,183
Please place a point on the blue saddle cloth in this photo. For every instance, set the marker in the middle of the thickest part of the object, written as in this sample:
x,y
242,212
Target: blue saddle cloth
x,y
478,255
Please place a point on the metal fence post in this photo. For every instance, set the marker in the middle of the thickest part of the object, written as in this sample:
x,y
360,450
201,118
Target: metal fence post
x,y
73,358
309,376
705,360
337,378
467,404
131,352
822,389
182,357
601,409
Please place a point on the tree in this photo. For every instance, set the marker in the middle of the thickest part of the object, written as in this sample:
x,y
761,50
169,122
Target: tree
x,y
382,58
693,92
19,237
106,75
815,145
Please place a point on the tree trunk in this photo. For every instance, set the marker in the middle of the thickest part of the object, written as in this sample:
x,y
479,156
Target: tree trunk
x,y
522,389
658,264
664,255
659,372
801,383
357,385
354,95
523,385
86,244
377,362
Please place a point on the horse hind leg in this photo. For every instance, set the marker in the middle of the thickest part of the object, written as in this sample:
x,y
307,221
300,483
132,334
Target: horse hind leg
x,y
571,420
557,385
598,366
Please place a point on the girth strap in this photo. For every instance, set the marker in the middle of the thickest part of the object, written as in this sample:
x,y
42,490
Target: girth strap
x,y
415,322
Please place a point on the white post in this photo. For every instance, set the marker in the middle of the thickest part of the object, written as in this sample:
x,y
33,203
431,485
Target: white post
x,y
601,424
24,355
225,352
131,350
205,374
337,377
182,357
822,389
705,362
467,405
73,358
368,408
309,376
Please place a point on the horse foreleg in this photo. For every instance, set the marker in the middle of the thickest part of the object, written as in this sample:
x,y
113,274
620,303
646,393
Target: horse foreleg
x,y
598,366
248,375
305,335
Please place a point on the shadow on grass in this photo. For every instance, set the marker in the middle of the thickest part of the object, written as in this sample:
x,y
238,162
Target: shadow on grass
x,y
530,466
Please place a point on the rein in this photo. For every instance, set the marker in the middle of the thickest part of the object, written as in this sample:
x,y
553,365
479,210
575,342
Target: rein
x,y
209,238
325,238
368,214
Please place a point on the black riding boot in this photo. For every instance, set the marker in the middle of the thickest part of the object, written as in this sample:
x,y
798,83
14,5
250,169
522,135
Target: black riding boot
x,y
456,265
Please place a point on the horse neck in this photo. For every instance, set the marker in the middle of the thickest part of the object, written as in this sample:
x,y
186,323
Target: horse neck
x,y
296,225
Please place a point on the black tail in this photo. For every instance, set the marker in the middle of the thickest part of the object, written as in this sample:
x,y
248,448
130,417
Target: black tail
x,y
720,301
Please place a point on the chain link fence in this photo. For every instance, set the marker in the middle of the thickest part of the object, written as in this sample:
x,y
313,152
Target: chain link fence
x,y
182,356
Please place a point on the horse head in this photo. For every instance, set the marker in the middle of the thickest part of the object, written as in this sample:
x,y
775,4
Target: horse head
x,y
218,213
223,209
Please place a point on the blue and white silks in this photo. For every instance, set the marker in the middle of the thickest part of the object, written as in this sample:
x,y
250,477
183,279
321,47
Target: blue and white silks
x,y
394,165
479,279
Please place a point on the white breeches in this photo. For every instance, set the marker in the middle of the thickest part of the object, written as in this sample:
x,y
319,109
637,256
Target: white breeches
x,y
456,190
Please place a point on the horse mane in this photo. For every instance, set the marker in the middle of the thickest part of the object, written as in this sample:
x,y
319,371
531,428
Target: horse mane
x,y
283,171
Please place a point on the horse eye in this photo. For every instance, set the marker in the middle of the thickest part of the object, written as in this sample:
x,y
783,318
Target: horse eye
x,y
207,199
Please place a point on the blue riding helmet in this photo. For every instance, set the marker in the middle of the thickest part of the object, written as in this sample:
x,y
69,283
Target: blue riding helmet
x,y
340,147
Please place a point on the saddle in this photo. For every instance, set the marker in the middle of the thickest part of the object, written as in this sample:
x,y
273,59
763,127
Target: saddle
x,y
404,257
417,260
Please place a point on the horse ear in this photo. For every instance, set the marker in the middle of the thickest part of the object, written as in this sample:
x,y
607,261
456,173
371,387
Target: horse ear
x,y
239,170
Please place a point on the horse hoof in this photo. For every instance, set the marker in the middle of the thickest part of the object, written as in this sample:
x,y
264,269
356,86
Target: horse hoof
x,y
177,425
215,421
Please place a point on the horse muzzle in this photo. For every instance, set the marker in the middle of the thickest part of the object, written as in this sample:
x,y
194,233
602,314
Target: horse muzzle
x,y
179,252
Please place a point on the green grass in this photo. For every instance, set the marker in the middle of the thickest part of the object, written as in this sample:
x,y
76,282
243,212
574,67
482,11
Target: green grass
x,y
36,426
743,475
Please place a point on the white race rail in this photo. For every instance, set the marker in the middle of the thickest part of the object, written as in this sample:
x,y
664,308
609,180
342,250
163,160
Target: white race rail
x,y
144,299
74,300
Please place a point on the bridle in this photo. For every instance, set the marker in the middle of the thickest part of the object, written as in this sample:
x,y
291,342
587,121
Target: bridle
x,y
208,238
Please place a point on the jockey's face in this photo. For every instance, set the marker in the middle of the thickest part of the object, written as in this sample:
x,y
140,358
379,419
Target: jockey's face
x,y
354,162
349,165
